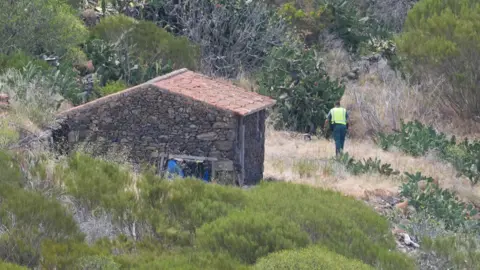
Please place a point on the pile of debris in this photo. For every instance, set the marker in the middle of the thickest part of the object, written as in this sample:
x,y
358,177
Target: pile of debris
x,y
385,203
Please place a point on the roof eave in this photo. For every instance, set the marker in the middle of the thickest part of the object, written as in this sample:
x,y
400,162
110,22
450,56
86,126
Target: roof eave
x,y
261,108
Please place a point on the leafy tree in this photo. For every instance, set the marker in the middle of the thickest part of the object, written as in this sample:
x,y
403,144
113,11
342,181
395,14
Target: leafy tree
x,y
443,37
304,91
39,26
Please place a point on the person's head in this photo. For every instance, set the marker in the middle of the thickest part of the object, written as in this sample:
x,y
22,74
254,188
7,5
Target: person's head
x,y
337,103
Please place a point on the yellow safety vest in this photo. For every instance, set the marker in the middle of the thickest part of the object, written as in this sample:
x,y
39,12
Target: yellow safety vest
x,y
339,116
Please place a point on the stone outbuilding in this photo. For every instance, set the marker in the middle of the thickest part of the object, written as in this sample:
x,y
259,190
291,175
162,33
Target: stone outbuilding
x,y
182,113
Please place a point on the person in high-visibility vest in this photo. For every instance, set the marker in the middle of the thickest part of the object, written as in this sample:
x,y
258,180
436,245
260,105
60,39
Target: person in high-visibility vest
x,y
338,118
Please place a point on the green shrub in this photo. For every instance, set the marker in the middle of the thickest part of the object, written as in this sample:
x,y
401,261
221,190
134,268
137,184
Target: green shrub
x,y
18,60
465,157
99,183
248,236
76,57
105,57
31,218
301,86
339,17
443,37
97,262
112,28
176,209
455,252
191,260
35,94
112,87
340,223
8,134
365,166
314,257
11,266
75,255
143,50
39,26
441,203
11,174
416,139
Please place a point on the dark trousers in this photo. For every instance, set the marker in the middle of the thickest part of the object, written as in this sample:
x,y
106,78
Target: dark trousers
x,y
339,133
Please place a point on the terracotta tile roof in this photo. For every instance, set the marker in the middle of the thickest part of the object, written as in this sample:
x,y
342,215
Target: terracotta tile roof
x,y
217,92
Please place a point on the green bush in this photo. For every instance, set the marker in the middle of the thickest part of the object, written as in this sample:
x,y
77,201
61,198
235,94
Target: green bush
x,y
459,251
191,260
304,92
443,37
248,236
35,94
97,262
39,26
99,183
339,17
30,218
416,139
18,60
11,266
441,203
340,223
314,257
11,175
75,255
112,87
143,50
112,28
365,166
176,209
8,133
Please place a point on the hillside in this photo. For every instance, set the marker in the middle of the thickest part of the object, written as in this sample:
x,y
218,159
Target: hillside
x,y
404,195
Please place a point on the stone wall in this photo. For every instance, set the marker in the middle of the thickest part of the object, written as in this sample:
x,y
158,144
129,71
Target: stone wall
x,y
254,147
148,121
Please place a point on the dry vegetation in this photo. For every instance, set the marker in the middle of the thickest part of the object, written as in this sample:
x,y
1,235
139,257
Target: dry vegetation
x,y
291,158
376,101
380,98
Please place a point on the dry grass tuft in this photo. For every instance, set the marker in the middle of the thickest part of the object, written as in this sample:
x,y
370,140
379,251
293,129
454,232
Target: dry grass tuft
x,y
380,98
290,158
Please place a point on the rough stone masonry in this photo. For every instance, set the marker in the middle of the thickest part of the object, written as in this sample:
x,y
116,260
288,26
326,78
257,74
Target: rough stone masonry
x,y
181,113
151,121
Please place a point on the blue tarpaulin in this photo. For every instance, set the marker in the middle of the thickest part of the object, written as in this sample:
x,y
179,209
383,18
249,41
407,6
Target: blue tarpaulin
x,y
174,169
